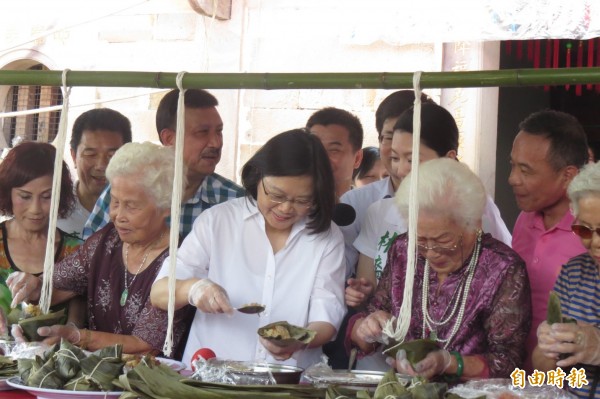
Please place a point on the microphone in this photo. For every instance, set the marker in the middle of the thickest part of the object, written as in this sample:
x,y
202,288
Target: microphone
x,y
343,214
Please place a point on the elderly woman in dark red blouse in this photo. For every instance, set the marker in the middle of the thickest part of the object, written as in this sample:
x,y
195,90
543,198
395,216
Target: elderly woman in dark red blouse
x,y
115,268
470,292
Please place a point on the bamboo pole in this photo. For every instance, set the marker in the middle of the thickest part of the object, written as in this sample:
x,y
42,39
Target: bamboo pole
x,y
283,81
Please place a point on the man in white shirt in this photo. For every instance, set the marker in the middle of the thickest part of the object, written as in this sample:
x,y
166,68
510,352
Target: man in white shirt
x,y
360,199
97,134
341,134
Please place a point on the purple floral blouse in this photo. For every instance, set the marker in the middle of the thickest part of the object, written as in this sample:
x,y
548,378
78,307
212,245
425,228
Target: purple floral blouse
x,y
497,314
96,271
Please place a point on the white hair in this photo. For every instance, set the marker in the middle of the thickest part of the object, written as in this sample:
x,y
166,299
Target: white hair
x,y
149,165
586,183
447,187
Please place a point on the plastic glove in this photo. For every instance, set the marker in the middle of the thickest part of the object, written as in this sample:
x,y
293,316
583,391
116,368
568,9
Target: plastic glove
x,y
435,363
369,329
17,332
70,332
209,297
581,341
24,287
3,324
282,353
358,291
546,341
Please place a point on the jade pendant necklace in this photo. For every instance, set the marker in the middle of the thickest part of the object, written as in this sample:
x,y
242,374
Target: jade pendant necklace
x,y
125,292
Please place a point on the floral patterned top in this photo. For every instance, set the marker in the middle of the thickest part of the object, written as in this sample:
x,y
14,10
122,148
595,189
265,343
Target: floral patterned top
x,y
497,314
67,245
96,271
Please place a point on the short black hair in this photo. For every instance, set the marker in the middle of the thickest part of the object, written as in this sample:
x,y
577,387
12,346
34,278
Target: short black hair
x,y
28,161
568,141
166,114
394,105
295,153
370,156
438,127
336,116
100,119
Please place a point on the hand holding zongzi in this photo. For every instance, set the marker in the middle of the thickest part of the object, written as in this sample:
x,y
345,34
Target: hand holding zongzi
x,y
581,341
435,363
55,333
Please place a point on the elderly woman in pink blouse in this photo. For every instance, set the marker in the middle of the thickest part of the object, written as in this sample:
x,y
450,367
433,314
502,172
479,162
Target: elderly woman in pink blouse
x,y
470,292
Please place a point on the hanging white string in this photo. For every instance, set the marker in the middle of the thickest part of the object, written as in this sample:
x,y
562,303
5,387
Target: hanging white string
x,y
175,210
399,331
59,143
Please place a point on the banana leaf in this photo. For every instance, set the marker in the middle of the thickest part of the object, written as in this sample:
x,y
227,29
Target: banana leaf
x,y
389,386
46,377
429,390
68,359
102,370
30,325
8,367
416,350
283,333
554,314
82,383
28,366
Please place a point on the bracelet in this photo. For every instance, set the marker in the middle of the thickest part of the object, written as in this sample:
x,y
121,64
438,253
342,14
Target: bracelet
x,y
460,365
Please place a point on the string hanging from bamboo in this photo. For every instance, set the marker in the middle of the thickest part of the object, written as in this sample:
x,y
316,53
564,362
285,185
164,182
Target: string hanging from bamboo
x,y
397,327
175,211
59,143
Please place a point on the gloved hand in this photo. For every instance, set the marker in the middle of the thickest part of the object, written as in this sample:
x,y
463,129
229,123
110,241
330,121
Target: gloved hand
x,y
24,287
17,332
370,328
209,297
358,291
282,353
435,363
581,341
55,333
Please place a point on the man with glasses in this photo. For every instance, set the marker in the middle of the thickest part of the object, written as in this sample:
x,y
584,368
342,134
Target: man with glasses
x,y
547,154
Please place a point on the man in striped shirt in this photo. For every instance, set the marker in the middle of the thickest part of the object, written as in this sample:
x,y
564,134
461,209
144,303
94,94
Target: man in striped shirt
x,y
203,141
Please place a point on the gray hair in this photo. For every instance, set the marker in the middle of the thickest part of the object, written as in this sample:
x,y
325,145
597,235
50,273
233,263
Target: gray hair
x,y
152,166
585,183
448,187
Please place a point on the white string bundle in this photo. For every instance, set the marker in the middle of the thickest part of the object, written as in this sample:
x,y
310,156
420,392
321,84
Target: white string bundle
x,y
175,211
59,143
399,331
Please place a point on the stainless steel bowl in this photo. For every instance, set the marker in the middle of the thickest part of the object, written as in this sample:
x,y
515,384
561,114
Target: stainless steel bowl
x,y
282,374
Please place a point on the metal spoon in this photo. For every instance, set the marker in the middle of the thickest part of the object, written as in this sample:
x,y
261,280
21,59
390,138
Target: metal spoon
x,y
251,308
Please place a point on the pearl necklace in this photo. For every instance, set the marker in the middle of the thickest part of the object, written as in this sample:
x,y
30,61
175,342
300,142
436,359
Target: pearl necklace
x,y
125,292
428,321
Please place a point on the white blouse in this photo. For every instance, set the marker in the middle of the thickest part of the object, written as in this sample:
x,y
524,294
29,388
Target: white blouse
x,y
302,283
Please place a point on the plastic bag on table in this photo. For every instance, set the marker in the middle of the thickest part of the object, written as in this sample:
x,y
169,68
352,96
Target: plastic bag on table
x,y
232,372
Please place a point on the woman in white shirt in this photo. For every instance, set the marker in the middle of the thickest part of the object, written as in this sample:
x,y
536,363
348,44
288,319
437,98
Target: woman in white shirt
x,y
276,246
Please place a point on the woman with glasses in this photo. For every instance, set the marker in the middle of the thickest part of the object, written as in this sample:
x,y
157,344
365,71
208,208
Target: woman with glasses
x,y
276,247
577,344
470,292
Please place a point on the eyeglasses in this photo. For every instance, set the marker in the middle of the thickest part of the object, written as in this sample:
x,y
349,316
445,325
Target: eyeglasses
x,y
438,249
280,199
584,232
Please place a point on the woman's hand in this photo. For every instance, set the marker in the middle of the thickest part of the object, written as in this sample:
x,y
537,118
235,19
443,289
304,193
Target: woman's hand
x,y
24,287
281,353
209,297
358,291
368,331
581,341
54,334
435,363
